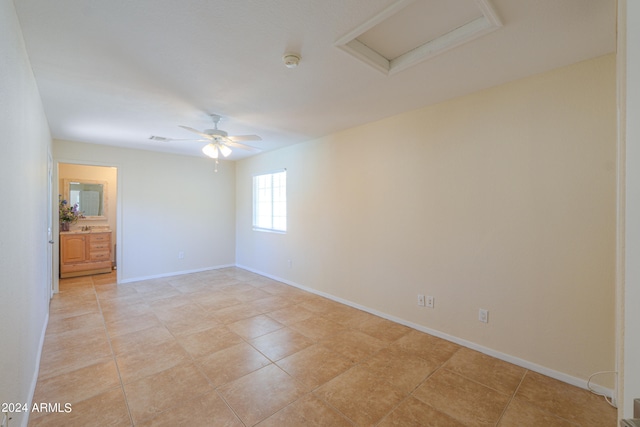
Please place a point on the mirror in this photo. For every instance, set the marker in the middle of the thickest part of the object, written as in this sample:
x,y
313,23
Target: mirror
x,y
91,197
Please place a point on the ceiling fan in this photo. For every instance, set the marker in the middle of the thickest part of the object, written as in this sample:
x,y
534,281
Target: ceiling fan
x,y
219,141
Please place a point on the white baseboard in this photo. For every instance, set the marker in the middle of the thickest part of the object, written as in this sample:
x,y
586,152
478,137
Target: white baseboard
x,y
174,273
578,382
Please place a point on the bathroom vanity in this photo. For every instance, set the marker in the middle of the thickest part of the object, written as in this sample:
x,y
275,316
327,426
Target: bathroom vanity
x,y
84,253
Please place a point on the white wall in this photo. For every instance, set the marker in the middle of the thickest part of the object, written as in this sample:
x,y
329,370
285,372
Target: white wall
x,y
629,48
167,204
24,283
503,200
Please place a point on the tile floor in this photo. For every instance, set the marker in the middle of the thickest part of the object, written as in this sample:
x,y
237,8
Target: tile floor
x,y
232,348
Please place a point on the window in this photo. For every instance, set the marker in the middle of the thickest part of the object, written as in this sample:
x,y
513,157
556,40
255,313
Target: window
x,y
270,201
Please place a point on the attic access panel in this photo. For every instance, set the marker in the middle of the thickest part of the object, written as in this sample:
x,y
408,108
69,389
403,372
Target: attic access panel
x,y
411,31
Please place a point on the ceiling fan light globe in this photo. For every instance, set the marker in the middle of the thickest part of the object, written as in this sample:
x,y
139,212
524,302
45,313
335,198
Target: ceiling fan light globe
x,y
210,150
225,150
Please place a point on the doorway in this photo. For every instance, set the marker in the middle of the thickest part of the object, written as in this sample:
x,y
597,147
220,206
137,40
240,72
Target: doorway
x,y
101,183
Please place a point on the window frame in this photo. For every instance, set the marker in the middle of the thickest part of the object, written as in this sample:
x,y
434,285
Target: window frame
x,y
272,202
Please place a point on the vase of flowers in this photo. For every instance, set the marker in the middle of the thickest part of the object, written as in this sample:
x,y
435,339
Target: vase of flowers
x,y
68,214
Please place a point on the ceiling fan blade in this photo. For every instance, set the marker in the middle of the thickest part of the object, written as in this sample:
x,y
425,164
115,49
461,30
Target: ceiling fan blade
x,y
164,139
209,137
242,146
244,138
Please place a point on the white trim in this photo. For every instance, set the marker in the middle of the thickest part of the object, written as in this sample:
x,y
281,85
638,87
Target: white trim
x,y
119,216
36,372
621,86
174,273
270,172
272,201
488,22
578,382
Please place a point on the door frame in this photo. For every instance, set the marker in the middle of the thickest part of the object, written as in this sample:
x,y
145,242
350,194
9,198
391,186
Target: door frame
x,y
56,226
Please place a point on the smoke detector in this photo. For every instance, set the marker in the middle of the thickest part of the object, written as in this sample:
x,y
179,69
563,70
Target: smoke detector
x,y
291,60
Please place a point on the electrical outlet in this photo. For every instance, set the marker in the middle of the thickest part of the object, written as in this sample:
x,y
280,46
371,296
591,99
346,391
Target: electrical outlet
x,y
483,315
421,300
430,301
289,263
181,255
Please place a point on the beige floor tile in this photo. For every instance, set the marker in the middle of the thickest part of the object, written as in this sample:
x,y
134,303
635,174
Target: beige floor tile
x,y
214,301
175,308
74,337
261,394
159,294
281,343
318,304
124,298
566,401
276,288
412,412
231,363
403,370
239,287
521,414
254,327
236,312
426,346
125,311
315,365
486,370
75,282
349,316
105,279
207,410
153,285
132,324
306,411
84,321
189,324
72,358
112,291
251,294
73,293
462,399
75,309
134,341
383,329
166,305
324,363
291,314
149,360
318,328
354,345
106,409
163,391
192,287
78,385
209,341
360,395
272,303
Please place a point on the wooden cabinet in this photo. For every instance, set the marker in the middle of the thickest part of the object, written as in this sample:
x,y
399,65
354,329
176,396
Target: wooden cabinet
x,y
84,253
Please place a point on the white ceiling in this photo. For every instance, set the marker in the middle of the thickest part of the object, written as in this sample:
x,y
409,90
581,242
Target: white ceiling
x,y
116,72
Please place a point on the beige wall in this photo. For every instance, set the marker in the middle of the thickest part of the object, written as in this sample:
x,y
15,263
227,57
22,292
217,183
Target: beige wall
x,y
166,204
503,200
24,218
